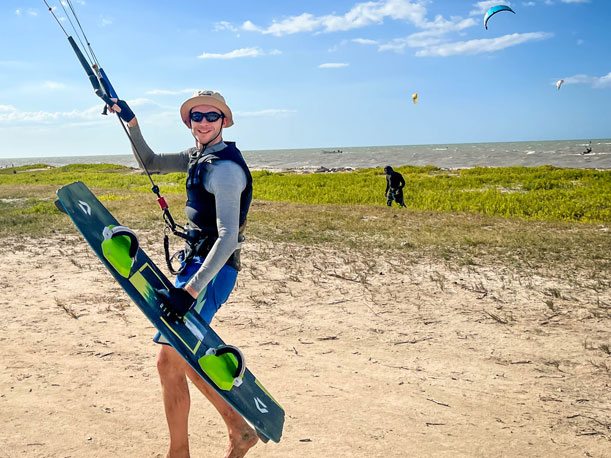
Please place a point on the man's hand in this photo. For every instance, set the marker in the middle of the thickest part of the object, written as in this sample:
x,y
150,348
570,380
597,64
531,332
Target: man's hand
x,y
122,109
175,303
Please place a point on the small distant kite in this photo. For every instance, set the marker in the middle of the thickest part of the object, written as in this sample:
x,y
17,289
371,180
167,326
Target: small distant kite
x,y
415,98
495,9
559,83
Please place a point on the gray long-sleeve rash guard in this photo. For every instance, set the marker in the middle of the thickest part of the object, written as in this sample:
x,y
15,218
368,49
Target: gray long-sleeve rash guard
x,y
226,180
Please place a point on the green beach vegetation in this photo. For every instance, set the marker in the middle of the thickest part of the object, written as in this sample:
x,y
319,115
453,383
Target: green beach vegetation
x,y
538,216
542,193
526,192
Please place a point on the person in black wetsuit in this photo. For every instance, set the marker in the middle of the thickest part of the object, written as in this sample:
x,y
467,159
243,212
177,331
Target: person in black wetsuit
x,y
394,186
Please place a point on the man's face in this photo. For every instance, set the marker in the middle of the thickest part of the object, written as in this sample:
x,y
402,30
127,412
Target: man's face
x,y
205,131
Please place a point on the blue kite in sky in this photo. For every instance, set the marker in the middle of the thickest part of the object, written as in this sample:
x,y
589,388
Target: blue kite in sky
x,y
495,9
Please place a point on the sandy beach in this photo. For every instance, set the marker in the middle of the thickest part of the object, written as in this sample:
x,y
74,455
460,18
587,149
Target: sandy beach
x,y
425,191
371,356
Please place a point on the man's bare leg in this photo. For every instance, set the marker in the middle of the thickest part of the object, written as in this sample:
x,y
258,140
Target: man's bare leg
x,y
241,436
176,400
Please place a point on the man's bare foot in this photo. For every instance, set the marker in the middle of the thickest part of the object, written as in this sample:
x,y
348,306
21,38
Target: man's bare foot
x,y
178,454
171,455
240,444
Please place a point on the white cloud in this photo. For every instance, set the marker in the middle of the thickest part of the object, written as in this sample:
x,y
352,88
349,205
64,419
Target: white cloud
x,y
303,23
224,25
430,37
29,12
11,115
578,79
364,41
333,65
482,7
167,92
141,102
237,53
416,40
482,45
106,21
603,81
261,113
397,45
44,117
575,1
361,15
337,46
80,2
435,30
598,82
528,3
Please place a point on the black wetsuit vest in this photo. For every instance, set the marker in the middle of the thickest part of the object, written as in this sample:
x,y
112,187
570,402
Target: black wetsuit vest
x,y
200,208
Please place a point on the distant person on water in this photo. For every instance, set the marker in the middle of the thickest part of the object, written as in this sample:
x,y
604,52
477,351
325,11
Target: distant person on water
x,y
394,186
219,192
588,148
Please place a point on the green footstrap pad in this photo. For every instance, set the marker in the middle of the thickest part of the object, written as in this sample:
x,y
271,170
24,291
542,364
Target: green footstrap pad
x,y
116,250
220,369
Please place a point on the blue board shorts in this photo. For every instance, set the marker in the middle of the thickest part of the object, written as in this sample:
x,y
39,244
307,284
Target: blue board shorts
x,y
215,294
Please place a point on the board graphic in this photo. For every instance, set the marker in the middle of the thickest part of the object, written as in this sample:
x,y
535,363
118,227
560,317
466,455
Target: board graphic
x,y
192,337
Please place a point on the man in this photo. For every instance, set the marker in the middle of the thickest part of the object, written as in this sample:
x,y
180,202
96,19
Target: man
x,y
219,192
394,186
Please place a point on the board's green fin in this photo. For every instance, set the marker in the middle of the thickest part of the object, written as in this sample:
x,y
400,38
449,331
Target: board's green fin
x,y
116,250
220,368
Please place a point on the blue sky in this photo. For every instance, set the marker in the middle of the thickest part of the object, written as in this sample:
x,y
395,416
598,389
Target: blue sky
x,y
308,74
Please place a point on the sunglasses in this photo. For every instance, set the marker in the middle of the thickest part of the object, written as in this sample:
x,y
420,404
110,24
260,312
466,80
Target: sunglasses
x,y
211,116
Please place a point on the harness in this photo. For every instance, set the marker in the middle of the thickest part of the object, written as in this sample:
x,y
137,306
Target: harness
x,y
198,244
201,210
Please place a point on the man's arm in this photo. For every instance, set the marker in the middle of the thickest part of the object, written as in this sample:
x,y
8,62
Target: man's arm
x,y
148,159
227,181
401,181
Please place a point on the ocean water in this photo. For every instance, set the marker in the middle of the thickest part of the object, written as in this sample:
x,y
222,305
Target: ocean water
x,y
566,153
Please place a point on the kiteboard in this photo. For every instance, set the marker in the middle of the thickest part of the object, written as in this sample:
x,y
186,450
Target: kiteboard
x,y
221,366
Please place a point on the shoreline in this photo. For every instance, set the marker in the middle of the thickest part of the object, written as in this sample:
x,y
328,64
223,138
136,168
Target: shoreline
x,y
564,153
320,169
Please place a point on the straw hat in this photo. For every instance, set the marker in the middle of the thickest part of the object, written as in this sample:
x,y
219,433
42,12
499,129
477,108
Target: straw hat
x,y
212,98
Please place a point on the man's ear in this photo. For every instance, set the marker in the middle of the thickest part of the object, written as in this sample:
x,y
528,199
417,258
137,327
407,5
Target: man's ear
x,y
224,121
